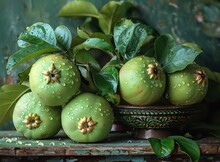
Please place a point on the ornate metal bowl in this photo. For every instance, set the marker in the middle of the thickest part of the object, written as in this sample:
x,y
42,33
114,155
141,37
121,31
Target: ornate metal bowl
x,y
158,117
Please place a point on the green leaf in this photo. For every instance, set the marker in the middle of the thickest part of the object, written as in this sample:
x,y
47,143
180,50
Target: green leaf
x,y
120,27
179,56
27,53
23,76
94,43
131,40
111,13
9,95
115,62
162,147
81,32
63,36
77,9
188,146
107,79
85,57
37,33
106,38
87,81
107,82
162,46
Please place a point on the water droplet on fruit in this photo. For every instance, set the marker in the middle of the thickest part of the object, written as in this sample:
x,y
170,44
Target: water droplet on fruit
x,y
47,110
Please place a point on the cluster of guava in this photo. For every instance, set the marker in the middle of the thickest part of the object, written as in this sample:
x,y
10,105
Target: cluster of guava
x,y
56,102
143,82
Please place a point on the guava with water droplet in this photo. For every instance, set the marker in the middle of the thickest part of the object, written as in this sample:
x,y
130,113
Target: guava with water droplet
x,y
188,86
87,118
54,79
34,120
141,81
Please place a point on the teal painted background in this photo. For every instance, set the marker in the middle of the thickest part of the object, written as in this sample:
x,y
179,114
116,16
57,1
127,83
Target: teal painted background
x,y
189,20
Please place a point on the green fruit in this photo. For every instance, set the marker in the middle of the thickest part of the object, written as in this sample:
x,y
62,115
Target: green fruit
x,y
54,79
142,81
87,118
35,120
188,86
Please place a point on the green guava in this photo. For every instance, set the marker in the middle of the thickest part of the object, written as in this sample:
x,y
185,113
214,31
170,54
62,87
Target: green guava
x,y
34,120
87,118
54,79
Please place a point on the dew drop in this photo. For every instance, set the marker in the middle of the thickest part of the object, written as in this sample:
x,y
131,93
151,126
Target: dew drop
x,y
64,84
19,142
51,118
102,114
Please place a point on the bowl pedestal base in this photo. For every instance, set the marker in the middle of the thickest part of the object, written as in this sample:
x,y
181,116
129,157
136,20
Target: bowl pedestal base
x,y
156,133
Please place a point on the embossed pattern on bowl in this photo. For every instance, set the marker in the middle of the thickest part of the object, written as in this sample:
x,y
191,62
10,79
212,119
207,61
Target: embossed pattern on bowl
x,y
156,117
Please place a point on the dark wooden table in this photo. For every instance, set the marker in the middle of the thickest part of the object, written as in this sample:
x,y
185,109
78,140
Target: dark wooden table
x,y
117,147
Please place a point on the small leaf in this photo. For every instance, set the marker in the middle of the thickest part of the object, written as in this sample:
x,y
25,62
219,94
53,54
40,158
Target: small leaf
x,y
9,95
102,36
188,146
107,79
107,82
162,46
23,76
27,53
162,147
87,81
76,9
115,62
63,36
111,13
94,43
179,56
120,27
85,57
131,40
82,33
38,33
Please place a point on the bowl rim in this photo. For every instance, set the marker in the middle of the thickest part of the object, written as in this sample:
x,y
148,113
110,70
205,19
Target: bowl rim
x,y
159,107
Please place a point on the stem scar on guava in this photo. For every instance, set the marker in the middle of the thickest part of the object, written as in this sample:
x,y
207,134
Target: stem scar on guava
x,y
200,77
52,74
86,125
32,121
153,71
